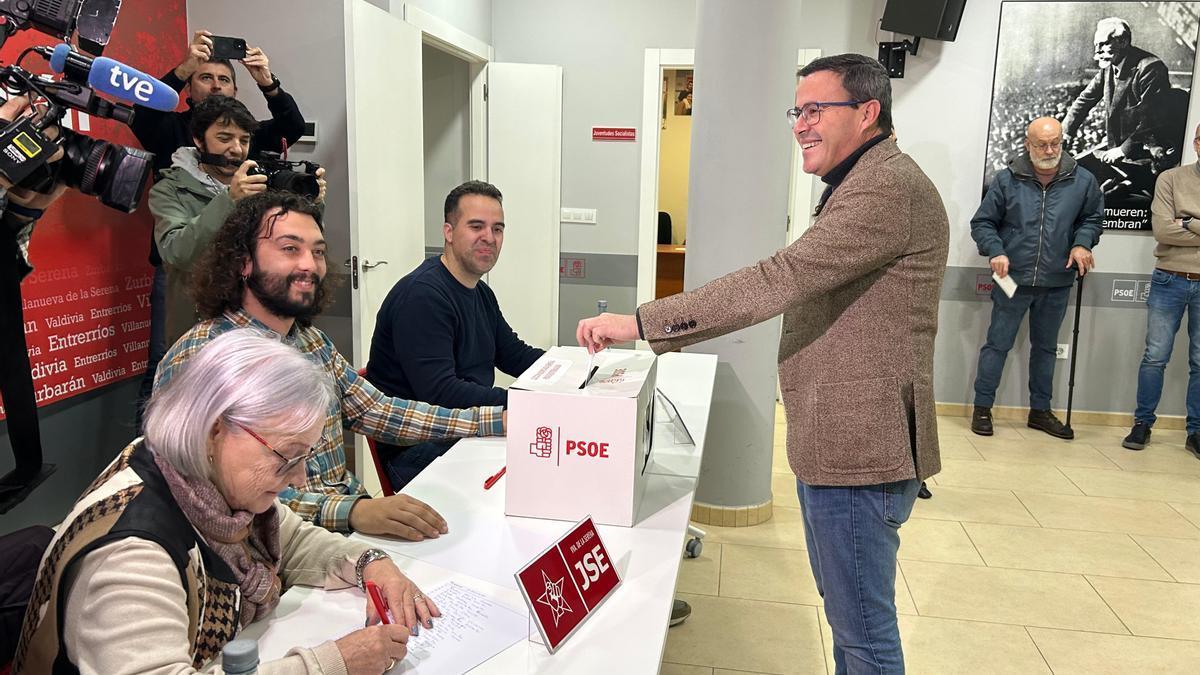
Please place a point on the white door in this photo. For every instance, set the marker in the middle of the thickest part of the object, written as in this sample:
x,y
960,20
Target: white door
x,y
386,171
524,131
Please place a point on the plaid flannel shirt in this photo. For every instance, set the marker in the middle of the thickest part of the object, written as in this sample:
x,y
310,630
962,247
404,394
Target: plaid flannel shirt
x,y
330,489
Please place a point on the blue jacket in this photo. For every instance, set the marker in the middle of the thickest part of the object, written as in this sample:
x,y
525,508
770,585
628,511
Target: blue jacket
x,y
1036,226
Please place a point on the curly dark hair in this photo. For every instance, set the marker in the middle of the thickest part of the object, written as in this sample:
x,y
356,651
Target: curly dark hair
x,y
223,109
216,283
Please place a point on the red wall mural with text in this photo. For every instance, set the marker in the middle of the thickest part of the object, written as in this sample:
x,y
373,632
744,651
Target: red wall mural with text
x,y
86,304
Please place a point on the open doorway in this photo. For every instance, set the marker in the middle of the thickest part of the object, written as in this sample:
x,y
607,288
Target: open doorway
x,y
674,161
446,102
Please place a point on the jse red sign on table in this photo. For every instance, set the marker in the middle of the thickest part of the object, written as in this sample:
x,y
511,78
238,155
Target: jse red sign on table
x,y
567,582
614,133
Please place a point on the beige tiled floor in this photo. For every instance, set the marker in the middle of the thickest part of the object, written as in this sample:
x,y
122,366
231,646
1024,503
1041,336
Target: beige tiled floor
x,y
1034,556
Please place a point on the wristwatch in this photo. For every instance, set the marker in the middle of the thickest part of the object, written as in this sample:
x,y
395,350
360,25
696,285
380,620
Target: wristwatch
x,y
1187,223
368,556
268,88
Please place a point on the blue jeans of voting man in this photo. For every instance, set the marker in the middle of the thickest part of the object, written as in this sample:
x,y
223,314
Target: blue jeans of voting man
x,y
853,534
1046,307
1170,296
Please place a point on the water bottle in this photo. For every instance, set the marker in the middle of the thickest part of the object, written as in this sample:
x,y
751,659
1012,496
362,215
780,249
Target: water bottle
x,y
240,657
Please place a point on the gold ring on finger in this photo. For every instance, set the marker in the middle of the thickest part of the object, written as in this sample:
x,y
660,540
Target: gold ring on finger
x,y
391,664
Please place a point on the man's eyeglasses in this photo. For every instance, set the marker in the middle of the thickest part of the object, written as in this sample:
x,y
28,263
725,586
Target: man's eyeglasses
x,y
1046,147
288,464
811,112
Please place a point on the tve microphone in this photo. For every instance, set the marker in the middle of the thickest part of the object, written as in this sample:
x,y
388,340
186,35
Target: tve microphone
x,y
115,79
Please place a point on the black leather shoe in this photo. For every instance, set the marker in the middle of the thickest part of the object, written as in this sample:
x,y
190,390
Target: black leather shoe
x,y
981,420
1044,420
1192,444
924,492
1138,437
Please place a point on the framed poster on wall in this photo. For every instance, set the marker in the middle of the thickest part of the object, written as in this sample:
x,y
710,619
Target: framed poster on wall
x,y
1118,76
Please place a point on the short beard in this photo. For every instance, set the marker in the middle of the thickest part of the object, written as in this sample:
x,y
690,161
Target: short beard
x,y
273,293
1046,164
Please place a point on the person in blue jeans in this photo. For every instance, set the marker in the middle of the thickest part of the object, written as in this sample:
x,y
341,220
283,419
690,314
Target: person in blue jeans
x,y
1040,218
1174,289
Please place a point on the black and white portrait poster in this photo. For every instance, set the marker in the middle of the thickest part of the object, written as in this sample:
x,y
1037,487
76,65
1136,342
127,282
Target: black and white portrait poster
x,y
1116,74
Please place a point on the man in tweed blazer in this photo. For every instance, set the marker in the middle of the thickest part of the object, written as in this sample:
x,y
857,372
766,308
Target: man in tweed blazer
x,y
859,293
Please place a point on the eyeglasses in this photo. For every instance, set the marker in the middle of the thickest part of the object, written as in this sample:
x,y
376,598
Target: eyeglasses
x,y
1046,147
288,464
811,112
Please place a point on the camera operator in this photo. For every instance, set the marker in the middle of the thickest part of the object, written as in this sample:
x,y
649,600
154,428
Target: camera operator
x,y
163,132
191,199
20,210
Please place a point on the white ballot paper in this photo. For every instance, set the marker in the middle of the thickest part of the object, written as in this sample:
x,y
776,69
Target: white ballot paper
x,y
472,629
1006,284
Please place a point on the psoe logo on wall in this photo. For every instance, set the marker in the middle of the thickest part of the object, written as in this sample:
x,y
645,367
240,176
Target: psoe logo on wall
x,y
983,284
543,444
1127,290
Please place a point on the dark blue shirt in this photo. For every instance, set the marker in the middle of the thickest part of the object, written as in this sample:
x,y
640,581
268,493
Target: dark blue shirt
x,y
440,342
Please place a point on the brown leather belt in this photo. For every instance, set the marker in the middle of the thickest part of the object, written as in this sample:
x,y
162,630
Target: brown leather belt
x,y
1190,276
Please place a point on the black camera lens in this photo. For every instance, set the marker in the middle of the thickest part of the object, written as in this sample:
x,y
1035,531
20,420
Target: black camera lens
x,y
114,173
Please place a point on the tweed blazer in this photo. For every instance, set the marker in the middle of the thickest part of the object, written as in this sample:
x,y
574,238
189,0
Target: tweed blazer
x,y
859,293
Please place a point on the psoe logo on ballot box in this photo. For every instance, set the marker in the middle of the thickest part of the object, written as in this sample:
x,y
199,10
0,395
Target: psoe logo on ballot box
x,y
566,583
543,443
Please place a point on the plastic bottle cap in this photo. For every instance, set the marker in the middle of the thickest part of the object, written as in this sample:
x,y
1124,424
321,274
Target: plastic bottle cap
x,y
240,656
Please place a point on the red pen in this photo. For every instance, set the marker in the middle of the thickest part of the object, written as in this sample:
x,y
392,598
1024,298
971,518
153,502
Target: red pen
x,y
494,478
381,608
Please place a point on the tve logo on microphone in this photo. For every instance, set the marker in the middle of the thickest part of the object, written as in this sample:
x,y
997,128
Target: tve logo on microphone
x,y
131,82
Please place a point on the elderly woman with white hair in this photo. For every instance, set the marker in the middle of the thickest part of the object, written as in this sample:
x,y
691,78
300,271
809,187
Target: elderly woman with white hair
x,y
181,541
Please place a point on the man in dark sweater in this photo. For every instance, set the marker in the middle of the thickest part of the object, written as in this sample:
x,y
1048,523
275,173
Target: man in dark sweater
x,y
164,132
440,335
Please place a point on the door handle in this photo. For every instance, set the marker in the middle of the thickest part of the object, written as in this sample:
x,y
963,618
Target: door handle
x,y
368,265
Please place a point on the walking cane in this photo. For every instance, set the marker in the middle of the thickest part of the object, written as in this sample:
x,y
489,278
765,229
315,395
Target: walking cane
x,y
1074,350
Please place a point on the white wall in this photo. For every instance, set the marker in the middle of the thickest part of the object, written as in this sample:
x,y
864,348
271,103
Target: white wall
x,y
473,17
601,49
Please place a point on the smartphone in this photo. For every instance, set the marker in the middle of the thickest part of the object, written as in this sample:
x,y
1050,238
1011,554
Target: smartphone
x,y
229,48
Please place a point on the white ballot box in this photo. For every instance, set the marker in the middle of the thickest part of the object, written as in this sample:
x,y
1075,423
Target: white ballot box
x,y
575,451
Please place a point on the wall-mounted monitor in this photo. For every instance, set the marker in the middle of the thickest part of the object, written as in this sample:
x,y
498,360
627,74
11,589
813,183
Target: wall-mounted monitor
x,y
934,19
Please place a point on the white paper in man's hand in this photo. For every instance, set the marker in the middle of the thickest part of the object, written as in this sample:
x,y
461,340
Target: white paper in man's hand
x,y
1006,284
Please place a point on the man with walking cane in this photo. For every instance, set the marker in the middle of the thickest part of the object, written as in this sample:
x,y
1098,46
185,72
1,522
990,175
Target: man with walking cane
x,y
1041,217
1174,288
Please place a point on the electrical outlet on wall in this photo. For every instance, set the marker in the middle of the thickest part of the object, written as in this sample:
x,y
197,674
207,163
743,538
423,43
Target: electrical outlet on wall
x,y
581,216
1063,352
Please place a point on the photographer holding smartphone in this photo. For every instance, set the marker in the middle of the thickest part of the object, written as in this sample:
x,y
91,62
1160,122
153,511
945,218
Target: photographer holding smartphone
x,y
206,72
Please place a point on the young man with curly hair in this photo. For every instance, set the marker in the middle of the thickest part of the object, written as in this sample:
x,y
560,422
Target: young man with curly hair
x,y
266,269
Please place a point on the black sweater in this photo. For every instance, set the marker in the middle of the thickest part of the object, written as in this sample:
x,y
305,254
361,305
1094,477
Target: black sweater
x,y
440,342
